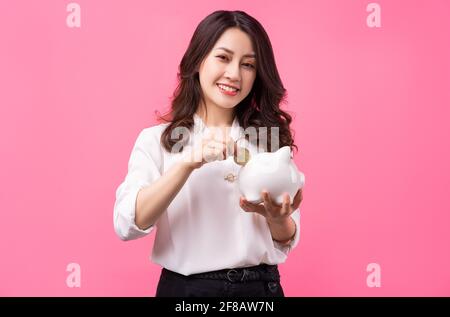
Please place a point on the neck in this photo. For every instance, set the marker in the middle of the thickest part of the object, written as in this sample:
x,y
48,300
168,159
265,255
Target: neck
x,y
216,117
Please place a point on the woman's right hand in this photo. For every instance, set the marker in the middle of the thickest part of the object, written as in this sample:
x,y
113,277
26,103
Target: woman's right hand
x,y
213,147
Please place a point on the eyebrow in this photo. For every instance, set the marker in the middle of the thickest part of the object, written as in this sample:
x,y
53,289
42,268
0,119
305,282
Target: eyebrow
x,y
231,52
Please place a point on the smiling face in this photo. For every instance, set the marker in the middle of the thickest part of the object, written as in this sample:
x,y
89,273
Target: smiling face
x,y
231,63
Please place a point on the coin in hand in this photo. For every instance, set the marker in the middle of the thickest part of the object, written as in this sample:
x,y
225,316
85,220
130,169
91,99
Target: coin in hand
x,y
241,156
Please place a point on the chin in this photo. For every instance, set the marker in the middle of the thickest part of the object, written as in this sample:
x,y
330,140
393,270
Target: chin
x,y
224,105
227,106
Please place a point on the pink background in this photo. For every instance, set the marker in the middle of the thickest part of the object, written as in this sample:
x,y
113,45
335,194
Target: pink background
x,y
371,116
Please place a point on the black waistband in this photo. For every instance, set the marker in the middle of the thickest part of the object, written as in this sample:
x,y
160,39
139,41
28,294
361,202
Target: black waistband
x,y
262,272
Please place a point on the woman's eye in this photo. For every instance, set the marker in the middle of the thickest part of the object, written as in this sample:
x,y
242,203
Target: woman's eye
x,y
223,58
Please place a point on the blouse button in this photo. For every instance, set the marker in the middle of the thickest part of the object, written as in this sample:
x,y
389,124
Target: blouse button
x,y
230,177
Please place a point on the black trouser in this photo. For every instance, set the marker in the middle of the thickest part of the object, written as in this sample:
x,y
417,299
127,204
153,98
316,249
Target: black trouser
x,y
258,281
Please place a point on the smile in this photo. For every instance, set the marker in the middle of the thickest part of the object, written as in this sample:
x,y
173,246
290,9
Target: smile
x,y
228,90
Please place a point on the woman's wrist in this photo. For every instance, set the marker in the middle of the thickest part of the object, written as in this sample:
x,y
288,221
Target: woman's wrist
x,y
278,229
279,221
188,166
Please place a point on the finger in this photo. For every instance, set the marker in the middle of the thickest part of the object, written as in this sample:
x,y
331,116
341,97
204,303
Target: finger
x,y
212,154
210,143
246,206
227,148
223,150
267,202
217,148
243,204
260,209
216,144
214,150
249,207
297,199
286,206
230,147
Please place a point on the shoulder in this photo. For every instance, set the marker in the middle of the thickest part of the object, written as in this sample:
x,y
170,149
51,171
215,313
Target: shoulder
x,y
149,142
149,139
152,133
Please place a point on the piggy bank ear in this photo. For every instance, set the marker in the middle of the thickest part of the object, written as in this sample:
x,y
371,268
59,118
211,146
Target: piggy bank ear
x,y
284,154
301,179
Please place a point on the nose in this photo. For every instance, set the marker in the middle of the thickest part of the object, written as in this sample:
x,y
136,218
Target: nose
x,y
233,72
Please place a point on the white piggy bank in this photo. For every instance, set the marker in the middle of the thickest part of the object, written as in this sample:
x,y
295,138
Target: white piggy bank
x,y
274,172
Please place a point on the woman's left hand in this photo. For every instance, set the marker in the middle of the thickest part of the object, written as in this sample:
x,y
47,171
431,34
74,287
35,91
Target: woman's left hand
x,y
269,209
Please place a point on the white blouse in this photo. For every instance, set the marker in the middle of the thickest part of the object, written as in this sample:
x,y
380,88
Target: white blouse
x,y
204,228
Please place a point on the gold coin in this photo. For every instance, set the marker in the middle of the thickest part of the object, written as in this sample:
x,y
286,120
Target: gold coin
x,y
241,156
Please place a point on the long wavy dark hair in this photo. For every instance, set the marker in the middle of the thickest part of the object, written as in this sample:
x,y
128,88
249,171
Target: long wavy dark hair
x,y
261,107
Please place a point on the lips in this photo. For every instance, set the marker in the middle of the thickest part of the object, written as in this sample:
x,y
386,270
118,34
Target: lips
x,y
231,86
228,92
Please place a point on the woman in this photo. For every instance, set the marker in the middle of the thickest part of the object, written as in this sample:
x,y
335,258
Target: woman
x,y
210,241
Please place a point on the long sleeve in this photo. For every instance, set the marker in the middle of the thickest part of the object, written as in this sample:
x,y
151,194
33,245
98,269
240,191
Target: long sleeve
x,y
287,248
144,167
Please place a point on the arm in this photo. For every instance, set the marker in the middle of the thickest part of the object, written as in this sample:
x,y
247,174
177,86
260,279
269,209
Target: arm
x,y
146,193
153,200
283,221
283,231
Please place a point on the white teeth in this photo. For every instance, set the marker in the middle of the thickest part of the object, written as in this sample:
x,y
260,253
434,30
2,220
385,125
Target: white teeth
x,y
227,88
